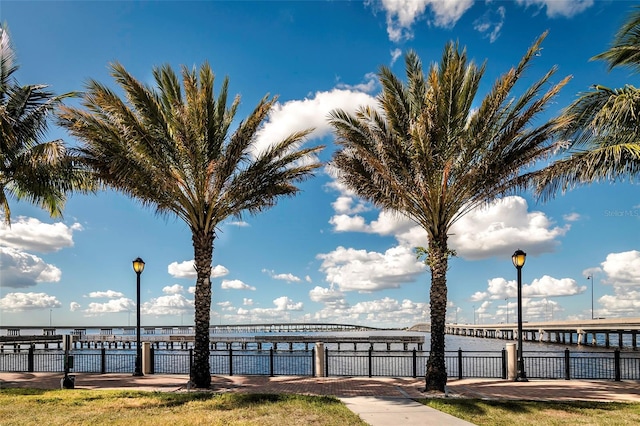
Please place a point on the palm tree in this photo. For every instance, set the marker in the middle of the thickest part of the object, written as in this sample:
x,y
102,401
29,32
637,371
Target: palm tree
x,y
603,143
173,150
30,169
430,152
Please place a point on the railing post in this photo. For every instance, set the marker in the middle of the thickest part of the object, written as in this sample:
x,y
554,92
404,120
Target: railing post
x,y
152,360
504,364
230,361
459,363
616,362
313,362
567,364
415,364
103,361
370,361
190,361
30,363
271,362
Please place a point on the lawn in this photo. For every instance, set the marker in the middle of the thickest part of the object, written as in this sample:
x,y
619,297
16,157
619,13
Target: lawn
x,y
102,407
525,413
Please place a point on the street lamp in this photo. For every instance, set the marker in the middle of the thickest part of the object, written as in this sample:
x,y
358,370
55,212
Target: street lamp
x,y
138,267
518,258
590,277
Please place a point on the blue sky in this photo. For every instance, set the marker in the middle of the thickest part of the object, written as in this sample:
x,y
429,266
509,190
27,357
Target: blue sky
x,y
323,256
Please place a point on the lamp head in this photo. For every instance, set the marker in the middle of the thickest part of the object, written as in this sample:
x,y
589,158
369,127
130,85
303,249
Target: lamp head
x,y
518,258
138,265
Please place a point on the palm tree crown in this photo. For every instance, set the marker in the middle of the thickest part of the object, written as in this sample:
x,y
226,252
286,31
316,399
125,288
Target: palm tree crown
x,y
39,172
428,152
172,149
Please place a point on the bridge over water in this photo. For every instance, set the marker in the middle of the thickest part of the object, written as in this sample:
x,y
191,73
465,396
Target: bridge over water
x,y
580,332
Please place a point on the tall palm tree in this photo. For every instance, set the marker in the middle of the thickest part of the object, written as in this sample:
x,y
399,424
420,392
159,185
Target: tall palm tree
x,y
31,169
433,153
603,143
173,150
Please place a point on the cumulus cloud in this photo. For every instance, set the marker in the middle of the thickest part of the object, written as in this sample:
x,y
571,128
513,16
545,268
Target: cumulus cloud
x,y
368,86
402,14
187,269
546,286
283,303
492,230
235,285
363,271
171,304
21,302
325,295
173,289
571,217
559,8
109,294
381,311
29,234
247,302
74,306
122,304
623,269
20,269
298,115
290,278
490,23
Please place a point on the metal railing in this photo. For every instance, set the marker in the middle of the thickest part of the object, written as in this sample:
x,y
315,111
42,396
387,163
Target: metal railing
x,y
460,364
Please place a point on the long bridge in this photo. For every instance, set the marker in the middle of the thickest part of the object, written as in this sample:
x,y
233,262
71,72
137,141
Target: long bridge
x,y
579,332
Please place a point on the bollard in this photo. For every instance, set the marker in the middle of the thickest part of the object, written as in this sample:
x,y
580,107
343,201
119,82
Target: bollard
x,y
146,357
512,369
319,359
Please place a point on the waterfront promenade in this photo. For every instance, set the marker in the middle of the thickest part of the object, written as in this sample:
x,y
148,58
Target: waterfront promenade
x,y
379,401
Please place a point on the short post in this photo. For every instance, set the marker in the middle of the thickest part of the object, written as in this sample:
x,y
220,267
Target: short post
x,y
415,364
370,361
326,362
511,361
30,361
271,362
504,364
567,364
103,361
230,361
146,357
616,363
319,359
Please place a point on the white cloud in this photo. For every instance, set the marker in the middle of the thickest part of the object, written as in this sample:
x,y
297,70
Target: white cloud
x,y
298,115
308,279
29,234
395,55
247,302
74,306
623,269
173,289
571,217
20,302
187,269
359,270
171,304
325,295
20,269
283,303
290,278
345,205
546,286
559,8
122,304
490,23
381,311
238,223
368,86
503,226
235,285
402,14
109,294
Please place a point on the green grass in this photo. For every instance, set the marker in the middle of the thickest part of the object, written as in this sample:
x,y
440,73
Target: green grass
x,y
102,407
525,413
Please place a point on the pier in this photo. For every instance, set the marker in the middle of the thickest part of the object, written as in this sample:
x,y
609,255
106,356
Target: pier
x,y
613,331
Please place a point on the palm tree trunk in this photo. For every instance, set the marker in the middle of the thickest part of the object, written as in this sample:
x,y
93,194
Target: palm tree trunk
x,y
203,250
436,375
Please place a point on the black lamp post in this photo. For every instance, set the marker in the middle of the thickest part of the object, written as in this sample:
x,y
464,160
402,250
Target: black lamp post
x,y
518,258
138,267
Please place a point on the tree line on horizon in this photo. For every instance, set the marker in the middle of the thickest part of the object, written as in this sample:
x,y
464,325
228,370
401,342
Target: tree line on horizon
x,y
424,152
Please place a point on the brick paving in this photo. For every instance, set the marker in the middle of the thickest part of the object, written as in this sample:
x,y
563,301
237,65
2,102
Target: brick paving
x,y
547,390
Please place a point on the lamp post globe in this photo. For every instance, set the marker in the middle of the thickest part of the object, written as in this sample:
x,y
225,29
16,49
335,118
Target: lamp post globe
x,y
518,258
138,267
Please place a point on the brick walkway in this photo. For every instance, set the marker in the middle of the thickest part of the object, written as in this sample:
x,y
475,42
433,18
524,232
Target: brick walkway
x,y
548,390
